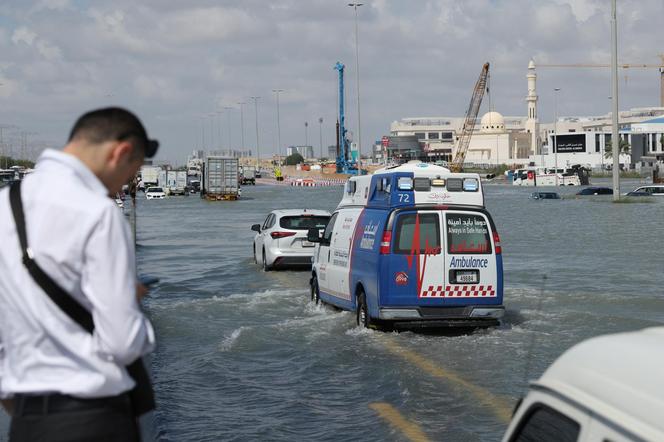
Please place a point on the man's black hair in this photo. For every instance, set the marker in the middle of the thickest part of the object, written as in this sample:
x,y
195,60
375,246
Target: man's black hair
x,y
113,124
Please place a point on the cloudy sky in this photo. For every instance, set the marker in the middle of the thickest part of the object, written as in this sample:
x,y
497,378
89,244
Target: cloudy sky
x,y
176,63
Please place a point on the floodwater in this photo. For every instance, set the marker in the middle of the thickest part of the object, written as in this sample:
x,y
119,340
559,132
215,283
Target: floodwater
x,y
244,355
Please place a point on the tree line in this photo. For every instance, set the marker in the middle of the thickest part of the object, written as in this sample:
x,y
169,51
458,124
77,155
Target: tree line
x,y
7,162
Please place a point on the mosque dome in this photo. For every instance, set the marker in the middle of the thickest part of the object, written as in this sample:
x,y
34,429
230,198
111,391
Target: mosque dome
x,y
492,122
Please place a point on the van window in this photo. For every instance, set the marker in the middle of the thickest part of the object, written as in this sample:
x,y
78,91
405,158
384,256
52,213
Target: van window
x,y
467,233
429,233
327,234
544,424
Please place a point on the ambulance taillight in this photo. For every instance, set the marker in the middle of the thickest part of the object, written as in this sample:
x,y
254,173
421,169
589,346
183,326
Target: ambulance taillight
x,y
496,243
386,242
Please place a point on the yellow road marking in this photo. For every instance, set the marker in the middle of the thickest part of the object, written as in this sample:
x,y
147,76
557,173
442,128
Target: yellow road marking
x,y
409,429
499,406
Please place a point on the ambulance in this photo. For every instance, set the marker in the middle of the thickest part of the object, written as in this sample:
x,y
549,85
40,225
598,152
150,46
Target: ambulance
x,y
411,246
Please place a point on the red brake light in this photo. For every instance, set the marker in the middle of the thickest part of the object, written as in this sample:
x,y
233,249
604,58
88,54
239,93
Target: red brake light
x,y
386,242
496,243
277,235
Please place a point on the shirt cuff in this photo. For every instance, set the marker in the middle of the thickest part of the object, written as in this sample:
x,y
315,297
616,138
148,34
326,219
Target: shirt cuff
x,y
150,340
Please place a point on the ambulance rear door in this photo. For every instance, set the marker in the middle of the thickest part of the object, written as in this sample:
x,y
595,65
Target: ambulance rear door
x,y
414,259
473,263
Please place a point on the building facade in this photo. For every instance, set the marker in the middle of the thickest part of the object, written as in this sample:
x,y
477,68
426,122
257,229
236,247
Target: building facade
x,y
305,151
523,141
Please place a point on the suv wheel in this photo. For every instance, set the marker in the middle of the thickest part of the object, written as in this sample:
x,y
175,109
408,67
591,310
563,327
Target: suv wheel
x,y
266,268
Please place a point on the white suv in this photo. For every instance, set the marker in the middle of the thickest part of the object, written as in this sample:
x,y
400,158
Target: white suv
x,y
281,241
155,193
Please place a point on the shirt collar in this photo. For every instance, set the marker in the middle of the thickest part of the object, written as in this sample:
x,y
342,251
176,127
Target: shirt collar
x,y
51,156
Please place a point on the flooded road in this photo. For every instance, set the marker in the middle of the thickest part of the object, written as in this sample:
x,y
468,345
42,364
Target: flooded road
x,y
244,355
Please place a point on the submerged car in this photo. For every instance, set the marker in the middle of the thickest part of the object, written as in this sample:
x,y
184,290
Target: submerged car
x,y
595,191
638,193
544,196
155,193
607,388
653,189
281,241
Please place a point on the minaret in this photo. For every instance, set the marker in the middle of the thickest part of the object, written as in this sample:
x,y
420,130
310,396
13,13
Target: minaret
x,y
532,124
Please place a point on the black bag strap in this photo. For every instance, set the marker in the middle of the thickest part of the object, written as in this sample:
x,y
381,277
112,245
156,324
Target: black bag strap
x,y
60,297
142,396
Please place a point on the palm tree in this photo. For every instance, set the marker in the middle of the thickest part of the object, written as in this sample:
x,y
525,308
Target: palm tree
x,y
624,148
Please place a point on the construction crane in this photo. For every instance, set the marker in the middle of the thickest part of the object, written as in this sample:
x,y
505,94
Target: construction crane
x,y
620,65
469,123
344,164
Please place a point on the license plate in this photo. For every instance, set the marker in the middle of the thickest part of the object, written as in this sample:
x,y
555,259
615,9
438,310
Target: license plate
x,y
467,277
307,244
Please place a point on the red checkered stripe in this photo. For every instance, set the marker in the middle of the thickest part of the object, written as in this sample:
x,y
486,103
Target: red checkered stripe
x,y
458,291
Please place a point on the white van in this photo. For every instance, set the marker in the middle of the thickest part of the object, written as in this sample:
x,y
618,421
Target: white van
x,y
411,246
609,388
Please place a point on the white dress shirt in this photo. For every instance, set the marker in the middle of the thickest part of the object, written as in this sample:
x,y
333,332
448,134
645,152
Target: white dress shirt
x,y
80,238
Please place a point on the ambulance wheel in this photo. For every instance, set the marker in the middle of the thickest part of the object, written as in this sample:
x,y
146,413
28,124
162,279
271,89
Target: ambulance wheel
x,y
315,293
363,318
266,268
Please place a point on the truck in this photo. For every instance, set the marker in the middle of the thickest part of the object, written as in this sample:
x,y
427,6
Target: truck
x,y
221,179
174,182
150,175
247,175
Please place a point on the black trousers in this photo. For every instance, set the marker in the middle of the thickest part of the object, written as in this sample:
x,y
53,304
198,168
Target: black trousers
x,y
58,418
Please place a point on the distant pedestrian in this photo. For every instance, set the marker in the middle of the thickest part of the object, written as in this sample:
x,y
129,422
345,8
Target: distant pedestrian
x,y
71,329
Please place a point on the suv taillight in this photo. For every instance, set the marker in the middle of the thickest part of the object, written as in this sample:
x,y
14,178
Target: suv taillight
x,y
496,243
385,243
277,235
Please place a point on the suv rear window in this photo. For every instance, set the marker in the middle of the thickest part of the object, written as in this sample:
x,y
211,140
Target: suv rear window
x,y
468,233
429,231
305,222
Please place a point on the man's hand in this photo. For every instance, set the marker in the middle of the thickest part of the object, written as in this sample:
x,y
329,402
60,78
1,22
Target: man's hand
x,y
8,405
141,291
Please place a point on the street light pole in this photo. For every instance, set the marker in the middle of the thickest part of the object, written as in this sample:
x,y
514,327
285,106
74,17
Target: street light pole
x,y
555,130
320,126
306,133
211,116
615,140
242,103
203,131
228,114
277,91
219,127
258,152
357,80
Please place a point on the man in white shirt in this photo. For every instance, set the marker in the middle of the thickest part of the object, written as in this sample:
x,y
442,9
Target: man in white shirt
x,y
57,380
